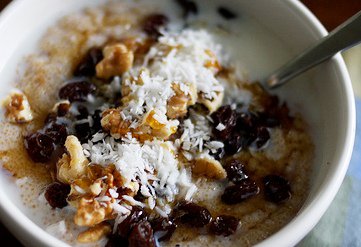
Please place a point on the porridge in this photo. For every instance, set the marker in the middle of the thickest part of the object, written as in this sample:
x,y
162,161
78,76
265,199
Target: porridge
x,y
143,130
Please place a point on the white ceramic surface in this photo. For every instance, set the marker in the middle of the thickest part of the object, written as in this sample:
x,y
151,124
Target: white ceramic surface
x,y
324,96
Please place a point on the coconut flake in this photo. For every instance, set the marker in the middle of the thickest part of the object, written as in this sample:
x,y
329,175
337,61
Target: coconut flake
x,y
220,127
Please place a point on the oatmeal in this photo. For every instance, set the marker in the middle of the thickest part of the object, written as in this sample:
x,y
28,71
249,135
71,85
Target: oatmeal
x,y
144,139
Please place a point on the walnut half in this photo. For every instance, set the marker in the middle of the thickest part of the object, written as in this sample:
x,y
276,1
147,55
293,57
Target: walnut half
x,y
118,59
90,212
17,108
95,233
72,166
177,105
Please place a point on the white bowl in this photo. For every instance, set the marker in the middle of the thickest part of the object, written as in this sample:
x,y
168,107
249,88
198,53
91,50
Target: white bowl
x,y
324,96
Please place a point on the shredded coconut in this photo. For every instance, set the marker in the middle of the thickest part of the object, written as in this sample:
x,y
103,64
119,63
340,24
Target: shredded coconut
x,y
186,61
152,164
178,58
220,127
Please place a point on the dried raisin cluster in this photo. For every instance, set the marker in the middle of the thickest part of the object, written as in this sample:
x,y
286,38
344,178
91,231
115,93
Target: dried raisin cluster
x,y
241,128
43,144
276,188
139,230
241,187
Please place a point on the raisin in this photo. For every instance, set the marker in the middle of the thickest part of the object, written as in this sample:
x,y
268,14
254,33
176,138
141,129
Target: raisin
x,y
87,65
189,7
224,225
58,132
235,143
153,23
193,214
276,188
39,146
77,91
56,194
83,112
163,228
226,116
240,192
235,171
262,137
97,117
116,241
135,217
246,121
63,109
142,235
226,13
83,132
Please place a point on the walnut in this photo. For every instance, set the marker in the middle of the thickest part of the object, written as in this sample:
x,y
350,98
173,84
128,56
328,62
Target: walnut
x,y
213,62
91,212
212,104
79,188
95,233
160,126
208,167
73,165
118,59
97,182
17,108
96,187
113,122
177,104
151,126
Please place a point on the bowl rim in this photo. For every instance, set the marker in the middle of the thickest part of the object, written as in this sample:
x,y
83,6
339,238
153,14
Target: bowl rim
x,y
24,229
310,215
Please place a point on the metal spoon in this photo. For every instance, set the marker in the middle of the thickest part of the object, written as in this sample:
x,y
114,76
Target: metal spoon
x,y
343,37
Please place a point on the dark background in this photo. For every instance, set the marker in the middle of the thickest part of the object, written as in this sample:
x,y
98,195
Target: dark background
x,y
330,12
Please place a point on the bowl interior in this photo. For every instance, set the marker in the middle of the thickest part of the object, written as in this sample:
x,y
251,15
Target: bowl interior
x,y
323,96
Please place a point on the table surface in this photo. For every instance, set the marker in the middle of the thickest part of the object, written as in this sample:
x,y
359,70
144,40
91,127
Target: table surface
x,y
330,12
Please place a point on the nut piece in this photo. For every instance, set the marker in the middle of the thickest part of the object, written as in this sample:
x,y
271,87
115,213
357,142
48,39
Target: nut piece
x,y
118,59
17,108
90,212
95,233
177,105
212,104
208,167
160,126
72,166
154,124
96,187
113,122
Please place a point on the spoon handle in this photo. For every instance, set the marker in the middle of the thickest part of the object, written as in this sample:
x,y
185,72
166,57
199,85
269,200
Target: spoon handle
x,y
343,37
